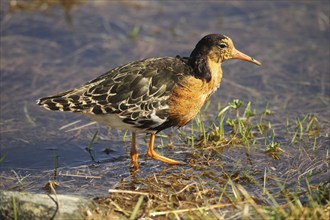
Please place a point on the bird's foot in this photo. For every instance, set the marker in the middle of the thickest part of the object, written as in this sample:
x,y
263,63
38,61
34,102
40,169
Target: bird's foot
x,y
156,156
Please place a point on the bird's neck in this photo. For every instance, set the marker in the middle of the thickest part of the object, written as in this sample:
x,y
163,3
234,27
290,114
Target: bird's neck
x,y
206,66
200,67
215,69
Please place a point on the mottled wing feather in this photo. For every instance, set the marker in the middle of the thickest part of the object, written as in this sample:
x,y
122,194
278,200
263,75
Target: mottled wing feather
x,y
137,92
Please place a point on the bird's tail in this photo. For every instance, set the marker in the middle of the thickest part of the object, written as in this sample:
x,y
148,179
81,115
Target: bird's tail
x,y
66,101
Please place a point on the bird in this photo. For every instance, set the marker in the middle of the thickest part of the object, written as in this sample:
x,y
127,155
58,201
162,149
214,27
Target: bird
x,y
152,94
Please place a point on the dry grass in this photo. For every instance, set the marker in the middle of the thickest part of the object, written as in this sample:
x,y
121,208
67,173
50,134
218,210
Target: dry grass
x,y
212,187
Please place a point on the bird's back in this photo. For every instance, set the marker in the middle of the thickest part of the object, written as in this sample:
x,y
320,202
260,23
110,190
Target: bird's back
x,y
137,93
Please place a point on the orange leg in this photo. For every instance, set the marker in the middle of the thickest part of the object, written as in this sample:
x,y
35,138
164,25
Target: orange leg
x,y
154,155
134,153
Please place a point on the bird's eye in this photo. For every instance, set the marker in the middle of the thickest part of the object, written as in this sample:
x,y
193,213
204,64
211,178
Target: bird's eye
x,y
222,45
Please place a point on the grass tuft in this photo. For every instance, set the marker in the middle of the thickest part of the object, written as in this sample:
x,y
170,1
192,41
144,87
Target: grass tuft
x,y
220,185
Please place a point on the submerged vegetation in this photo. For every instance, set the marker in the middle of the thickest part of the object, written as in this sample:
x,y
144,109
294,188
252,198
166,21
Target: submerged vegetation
x,y
216,185
241,164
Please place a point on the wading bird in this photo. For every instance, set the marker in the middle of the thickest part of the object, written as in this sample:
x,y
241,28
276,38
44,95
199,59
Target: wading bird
x,y
152,94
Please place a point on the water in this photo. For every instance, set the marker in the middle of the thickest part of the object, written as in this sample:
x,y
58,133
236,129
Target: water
x,y
53,47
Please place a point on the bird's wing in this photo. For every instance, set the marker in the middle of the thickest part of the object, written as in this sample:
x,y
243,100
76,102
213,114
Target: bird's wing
x,y
137,92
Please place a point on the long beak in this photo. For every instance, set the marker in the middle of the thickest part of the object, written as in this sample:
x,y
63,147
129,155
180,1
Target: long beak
x,y
242,56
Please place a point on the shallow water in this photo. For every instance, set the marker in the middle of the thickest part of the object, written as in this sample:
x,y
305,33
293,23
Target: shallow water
x,y
49,48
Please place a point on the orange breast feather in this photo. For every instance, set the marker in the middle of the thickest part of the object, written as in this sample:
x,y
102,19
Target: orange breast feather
x,y
191,93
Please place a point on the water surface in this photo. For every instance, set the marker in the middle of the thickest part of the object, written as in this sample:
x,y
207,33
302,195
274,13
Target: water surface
x,y
49,48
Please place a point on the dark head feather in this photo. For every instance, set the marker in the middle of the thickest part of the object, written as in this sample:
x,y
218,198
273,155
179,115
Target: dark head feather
x,y
198,57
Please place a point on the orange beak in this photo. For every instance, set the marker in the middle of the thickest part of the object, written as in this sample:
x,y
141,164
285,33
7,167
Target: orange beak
x,y
242,56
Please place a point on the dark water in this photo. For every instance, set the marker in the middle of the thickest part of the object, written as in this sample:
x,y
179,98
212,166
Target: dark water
x,y
53,47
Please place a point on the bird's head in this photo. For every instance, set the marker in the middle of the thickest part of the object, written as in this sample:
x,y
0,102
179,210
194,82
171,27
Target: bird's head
x,y
216,48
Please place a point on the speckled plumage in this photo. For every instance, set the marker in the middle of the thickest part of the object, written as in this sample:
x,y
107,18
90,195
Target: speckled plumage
x,y
152,94
137,93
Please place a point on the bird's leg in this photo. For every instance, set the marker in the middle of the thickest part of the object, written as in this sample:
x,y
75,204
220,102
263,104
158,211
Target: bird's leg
x,y
134,153
154,155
